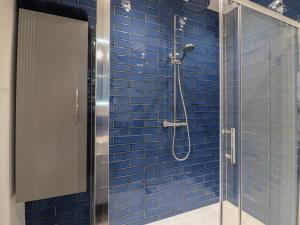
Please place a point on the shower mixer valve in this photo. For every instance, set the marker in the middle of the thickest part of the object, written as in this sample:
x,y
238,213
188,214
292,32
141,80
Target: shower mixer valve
x,y
174,124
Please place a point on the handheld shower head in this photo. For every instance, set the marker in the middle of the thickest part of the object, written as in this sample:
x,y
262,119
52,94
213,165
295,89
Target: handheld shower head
x,y
187,49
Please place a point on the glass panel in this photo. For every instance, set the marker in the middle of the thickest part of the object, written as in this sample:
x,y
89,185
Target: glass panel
x,y
269,169
230,119
289,8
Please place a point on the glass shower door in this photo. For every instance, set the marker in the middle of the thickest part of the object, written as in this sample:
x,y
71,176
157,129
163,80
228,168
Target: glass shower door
x,y
230,120
269,65
259,117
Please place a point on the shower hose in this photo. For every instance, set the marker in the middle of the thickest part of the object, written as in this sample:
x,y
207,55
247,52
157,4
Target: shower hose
x,y
186,121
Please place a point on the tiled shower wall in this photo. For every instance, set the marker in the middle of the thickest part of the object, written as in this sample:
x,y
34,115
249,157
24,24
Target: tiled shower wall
x,y
146,183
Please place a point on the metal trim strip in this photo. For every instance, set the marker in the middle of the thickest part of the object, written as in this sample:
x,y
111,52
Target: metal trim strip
x,y
101,170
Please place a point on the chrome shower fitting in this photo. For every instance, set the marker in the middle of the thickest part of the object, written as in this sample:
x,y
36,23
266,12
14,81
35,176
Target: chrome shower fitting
x,y
179,23
277,6
176,60
126,4
187,48
182,22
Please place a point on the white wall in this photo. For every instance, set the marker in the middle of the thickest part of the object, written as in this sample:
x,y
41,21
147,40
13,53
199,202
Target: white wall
x,y
10,212
214,5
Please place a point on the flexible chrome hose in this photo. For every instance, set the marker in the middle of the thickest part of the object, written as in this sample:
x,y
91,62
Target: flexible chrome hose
x,y
186,120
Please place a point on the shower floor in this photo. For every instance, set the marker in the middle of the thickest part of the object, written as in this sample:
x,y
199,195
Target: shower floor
x,y
209,215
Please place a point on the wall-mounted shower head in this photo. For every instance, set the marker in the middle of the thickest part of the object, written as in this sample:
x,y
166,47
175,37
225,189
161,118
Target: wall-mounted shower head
x,y
196,5
187,49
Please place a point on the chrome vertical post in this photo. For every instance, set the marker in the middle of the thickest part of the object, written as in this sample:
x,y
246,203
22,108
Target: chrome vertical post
x,y
239,124
174,70
101,172
222,107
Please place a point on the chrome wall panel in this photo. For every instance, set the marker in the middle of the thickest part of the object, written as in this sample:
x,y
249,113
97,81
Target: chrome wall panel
x,y
102,112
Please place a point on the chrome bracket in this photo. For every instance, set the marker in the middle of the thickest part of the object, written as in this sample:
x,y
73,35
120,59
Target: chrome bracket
x,y
175,60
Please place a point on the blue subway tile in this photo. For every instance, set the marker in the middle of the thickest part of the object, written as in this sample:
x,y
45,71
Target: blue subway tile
x,y
38,214
146,183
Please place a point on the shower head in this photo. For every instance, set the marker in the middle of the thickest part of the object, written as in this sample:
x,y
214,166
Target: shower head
x,y
196,5
187,49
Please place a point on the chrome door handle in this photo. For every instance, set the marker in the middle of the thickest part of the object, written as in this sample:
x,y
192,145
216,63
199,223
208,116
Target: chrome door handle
x,y
232,155
232,146
77,104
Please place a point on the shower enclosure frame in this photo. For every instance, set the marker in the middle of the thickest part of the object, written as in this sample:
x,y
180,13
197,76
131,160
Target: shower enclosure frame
x,y
223,156
100,183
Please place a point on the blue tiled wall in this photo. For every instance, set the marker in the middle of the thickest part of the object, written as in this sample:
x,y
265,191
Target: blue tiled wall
x,y
71,209
146,183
